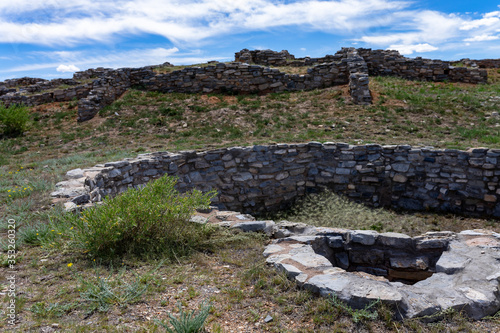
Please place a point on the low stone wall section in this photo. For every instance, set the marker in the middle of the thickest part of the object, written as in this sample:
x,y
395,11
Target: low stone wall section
x,y
60,95
266,178
385,63
391,63
108,88
244,78
264,57
484,63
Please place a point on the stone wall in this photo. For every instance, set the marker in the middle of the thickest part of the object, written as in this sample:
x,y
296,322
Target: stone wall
x,y
265,178
391,63
484,63
264,57
386,63
244,78
348,66
108,87
24,96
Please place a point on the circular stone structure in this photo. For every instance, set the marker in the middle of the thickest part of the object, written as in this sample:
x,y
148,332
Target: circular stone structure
x,y
418,276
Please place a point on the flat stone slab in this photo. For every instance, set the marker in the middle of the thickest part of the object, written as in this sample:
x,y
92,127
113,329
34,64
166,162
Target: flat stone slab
x,y
466,277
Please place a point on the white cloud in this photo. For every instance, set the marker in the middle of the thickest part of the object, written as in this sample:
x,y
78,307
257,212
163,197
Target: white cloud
x,y
481,38
488,20
303,49
117,59
67,68
188,21
188,24
409,49
419,28
427,31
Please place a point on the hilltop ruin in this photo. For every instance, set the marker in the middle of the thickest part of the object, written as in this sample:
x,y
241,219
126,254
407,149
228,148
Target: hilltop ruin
x,y
250,73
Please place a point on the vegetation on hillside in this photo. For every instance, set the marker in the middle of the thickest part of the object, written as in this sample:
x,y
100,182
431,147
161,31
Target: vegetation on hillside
x,y
119,267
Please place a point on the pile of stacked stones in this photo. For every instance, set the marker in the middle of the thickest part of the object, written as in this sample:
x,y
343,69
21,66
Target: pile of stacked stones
x,y
264,57
358,79
267,178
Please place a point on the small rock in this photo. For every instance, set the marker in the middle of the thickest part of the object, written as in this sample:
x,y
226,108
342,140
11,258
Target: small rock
x,y
81,199
198,219
251,226
268,319
74,174
70,206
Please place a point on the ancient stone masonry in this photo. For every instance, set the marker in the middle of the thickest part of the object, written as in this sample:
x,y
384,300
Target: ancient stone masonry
x,y
417,276
348,66
108,87
243,78
389,63
264,57
265,178
358,79
484,63
31,91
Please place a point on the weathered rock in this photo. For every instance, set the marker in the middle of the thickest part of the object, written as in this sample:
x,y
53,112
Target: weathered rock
x,y
74,174
365,237
466,276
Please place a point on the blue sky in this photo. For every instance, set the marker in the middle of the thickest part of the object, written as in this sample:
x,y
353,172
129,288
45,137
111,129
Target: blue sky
x,y
53,38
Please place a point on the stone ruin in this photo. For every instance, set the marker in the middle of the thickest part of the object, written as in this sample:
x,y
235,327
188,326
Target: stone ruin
x,y
417,276
96,88
261,179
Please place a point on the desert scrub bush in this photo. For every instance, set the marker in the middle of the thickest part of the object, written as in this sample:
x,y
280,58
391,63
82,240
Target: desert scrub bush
x,y
150,220
14,120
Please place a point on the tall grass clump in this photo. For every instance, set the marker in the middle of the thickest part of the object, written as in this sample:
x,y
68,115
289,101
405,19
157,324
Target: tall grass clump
x,y
328,209
14,120
151,220
187,322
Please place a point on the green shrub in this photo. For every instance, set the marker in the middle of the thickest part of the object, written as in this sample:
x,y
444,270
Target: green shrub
x,y
154,219
13,120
